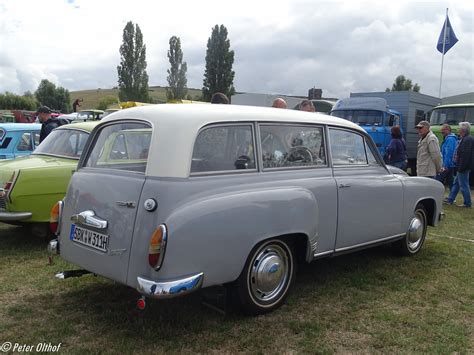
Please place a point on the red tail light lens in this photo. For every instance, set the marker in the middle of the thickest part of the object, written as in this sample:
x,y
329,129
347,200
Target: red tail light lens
x,y
157,247
7,188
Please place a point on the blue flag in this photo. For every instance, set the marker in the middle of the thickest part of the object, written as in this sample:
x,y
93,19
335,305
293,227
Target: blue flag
x,y
451,38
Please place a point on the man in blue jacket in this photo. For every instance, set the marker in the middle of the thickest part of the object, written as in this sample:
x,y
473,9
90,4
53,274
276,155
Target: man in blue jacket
x,y
464,158
447,151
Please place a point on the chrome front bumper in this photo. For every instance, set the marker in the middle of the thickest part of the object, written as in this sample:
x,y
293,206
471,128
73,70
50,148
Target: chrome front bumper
x,y
169,289
14,216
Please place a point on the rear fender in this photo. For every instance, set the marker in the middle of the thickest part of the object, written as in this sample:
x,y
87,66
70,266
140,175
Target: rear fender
x,y
215,234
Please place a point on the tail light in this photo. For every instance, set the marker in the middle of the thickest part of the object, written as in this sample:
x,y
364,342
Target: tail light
x,y
55,218
157,247
8,187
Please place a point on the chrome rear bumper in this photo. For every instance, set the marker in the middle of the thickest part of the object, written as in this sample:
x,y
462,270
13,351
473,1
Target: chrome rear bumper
x,y
14,216
169,289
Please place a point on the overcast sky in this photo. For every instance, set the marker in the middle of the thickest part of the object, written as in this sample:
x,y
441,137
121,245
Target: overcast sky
x,y
281,47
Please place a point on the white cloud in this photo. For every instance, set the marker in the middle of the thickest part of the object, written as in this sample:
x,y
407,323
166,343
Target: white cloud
x,y
281,47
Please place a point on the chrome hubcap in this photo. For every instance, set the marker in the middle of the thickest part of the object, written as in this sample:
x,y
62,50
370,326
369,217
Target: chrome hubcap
x,y
269,273
416,230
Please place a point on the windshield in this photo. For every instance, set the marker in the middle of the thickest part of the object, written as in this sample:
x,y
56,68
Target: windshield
x,y
63,143
452,115
362,117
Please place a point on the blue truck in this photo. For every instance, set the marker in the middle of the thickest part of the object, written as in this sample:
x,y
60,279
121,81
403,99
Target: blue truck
x,y
372,114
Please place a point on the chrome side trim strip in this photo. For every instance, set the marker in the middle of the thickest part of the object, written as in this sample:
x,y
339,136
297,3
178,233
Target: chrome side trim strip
x,y
371,242
169,289
315,255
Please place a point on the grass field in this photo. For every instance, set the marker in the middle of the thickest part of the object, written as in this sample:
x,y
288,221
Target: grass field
x,y
93,97
372,301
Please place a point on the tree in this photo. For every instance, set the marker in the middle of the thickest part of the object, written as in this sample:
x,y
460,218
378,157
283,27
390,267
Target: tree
x,y
132,75
57,98
177,72
218,76
403,84
9,101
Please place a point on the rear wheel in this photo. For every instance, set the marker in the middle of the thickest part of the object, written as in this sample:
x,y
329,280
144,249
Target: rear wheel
x,y
416,234
268,273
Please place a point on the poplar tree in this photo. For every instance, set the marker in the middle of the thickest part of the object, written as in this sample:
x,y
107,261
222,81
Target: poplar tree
x,y
218,76
132,75
177,72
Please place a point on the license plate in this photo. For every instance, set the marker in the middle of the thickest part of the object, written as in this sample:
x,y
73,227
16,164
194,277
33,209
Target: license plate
x,y
90,238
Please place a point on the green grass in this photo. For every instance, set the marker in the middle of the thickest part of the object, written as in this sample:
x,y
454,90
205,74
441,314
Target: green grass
x,y
93,97
372,301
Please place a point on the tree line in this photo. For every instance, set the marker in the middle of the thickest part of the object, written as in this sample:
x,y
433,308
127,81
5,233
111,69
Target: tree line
x,y
133,77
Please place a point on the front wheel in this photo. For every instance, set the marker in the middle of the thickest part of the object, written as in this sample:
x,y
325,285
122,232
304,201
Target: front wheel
x,y
266,278
416,234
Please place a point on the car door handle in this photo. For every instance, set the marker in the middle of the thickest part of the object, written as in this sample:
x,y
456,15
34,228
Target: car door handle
x,y
342,186
88,218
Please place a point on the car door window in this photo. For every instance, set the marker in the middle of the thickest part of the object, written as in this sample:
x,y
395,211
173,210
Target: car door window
x,y
24,143
224,148
36,138
347,148
286,146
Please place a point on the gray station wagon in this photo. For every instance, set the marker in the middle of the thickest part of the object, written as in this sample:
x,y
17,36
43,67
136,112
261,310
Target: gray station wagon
x,y
168,199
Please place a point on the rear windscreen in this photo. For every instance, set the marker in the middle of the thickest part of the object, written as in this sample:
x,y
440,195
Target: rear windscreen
x,y
121,146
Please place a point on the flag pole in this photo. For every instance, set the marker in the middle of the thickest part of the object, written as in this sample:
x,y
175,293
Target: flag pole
x,y
442,57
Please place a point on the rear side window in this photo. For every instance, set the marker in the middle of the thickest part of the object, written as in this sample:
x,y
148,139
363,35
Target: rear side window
x,y
286,146
224,148
121,146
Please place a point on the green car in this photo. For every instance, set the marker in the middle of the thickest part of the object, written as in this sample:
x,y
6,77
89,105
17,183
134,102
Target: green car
x,y
33,184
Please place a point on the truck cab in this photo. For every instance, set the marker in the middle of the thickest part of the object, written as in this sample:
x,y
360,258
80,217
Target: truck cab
x,y
372,114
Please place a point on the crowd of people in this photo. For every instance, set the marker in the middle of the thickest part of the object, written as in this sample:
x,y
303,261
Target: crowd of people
x,y
452,163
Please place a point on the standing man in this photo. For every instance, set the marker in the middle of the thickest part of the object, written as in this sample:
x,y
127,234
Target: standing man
x,y
447,151
428,156
76,104
464,158
47,123
279,103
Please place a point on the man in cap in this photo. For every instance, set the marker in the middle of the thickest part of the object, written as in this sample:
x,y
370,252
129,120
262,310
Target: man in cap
x,y
464,158
47,123
428,157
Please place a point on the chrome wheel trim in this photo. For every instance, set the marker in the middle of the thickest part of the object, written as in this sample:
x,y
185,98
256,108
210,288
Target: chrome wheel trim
x,y
269,274
416,231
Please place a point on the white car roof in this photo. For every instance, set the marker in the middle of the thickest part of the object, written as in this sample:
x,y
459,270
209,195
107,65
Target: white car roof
x,y
175,127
